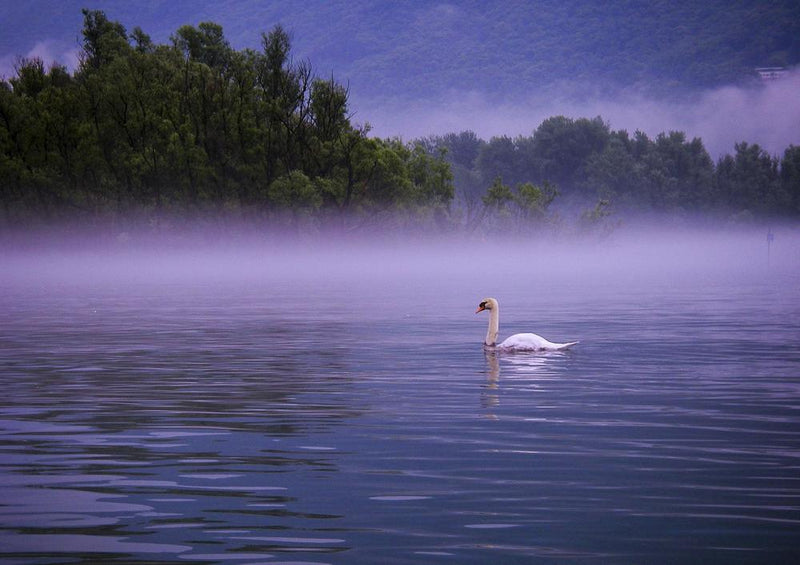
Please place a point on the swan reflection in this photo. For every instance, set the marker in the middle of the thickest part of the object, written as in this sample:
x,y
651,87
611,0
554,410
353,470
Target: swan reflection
x,y
523,372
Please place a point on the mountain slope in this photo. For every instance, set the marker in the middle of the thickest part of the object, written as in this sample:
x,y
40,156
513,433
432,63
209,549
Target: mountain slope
x,y
501,48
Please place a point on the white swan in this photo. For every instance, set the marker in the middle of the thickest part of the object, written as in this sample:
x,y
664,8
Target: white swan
x,y
517,342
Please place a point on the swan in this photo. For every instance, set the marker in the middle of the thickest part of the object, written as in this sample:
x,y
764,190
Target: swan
x,y
517,342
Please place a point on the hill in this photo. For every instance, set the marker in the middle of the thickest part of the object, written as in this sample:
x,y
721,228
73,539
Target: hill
x,y
503,49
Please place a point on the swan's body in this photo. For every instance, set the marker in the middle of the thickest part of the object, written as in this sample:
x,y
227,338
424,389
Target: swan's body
x,y
517,342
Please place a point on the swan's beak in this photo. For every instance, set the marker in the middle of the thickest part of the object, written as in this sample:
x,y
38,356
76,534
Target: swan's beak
x,y
480,309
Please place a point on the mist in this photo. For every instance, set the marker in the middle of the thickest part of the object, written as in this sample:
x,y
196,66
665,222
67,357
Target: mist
x,y
50,51
269,385
631,255
766,113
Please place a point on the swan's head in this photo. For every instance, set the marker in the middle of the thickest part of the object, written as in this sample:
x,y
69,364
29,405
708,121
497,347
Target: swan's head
x,y
486,304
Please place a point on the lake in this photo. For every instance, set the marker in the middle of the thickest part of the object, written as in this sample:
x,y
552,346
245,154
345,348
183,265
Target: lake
x,y
335,405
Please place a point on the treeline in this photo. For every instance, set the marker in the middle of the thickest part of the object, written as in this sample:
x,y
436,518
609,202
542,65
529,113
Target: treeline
x,y
591,167
148,133
155,131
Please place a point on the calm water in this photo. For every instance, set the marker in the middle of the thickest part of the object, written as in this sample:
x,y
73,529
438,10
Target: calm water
x,y
330,408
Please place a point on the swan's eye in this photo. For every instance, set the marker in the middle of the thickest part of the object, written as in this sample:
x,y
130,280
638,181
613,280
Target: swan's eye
x,y
482,305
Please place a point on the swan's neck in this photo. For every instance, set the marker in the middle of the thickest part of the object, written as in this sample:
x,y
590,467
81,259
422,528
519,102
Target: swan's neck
x,y
494,327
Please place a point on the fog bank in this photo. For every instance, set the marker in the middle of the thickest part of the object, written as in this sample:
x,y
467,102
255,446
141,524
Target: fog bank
x,y
656,256
766,113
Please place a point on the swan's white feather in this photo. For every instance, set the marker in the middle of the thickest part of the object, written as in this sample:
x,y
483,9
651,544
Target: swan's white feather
x,y
531,342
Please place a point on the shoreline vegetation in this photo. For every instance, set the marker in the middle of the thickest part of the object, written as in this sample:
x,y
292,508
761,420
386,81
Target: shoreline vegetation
x,y
155,138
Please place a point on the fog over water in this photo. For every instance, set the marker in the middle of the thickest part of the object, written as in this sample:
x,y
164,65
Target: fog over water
x,y
242,399
190,256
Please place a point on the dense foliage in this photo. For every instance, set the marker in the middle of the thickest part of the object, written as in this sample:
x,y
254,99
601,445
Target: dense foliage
x,y
149,130
195,128
594,170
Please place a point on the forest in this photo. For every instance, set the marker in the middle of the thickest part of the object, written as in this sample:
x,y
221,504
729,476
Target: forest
x,y
582,165
146,133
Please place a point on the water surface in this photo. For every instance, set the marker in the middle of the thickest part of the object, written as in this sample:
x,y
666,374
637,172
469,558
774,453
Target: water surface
x,y
336,408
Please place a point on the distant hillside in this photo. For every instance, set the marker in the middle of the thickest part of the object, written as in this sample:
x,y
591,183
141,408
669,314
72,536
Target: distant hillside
x,y
503,48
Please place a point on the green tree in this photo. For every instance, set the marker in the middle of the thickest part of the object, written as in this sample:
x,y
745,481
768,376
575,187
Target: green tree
x,y
39,139
499,196
615,174
461,151
533,201
678,174
328,106
204,44
103,40
462,148
498,158
747,182
561,147
296,194
597,221
516,211
790,178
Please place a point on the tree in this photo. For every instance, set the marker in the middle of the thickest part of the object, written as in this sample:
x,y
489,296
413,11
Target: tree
x,y
748,182
205,44
296,194
597,221
462,148
676,174
615,173
533,201
328,109
103,40
790,179
516,211
498,158
561,147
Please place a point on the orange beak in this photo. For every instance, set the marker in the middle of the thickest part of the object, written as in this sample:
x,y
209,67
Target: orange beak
x,y
480,309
